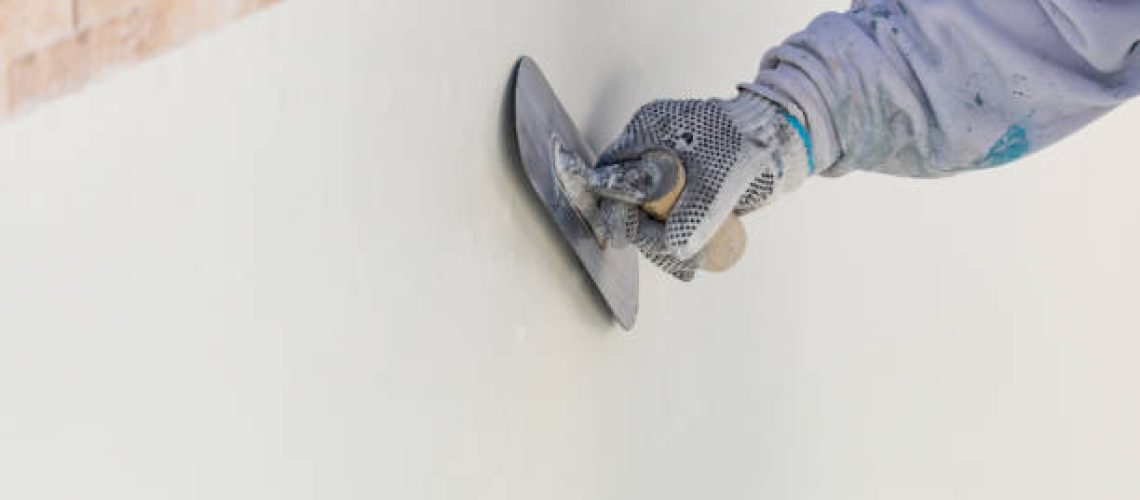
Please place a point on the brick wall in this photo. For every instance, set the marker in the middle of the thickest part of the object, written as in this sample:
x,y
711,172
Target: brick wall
x,y
50,47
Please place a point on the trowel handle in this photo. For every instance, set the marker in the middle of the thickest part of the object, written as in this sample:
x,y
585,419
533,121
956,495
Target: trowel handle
x,y
655,182
725,248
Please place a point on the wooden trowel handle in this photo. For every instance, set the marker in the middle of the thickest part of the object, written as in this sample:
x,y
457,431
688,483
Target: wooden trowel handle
x,y
724,249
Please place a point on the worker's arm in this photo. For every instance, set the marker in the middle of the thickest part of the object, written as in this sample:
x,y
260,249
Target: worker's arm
x,y
917,88
925,88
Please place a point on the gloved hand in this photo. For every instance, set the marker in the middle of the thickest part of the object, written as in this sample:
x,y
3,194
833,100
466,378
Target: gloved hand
x,y
738,155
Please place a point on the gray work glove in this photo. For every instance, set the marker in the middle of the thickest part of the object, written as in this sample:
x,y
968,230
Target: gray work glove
x,y
738,156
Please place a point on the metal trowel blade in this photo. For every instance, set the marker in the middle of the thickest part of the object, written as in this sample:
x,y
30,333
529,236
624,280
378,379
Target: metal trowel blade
x,y
543,129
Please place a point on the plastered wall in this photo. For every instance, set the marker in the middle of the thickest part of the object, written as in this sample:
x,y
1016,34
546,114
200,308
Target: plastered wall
x,y
295,260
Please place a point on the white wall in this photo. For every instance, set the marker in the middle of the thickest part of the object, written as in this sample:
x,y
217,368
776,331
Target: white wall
x,y
295,261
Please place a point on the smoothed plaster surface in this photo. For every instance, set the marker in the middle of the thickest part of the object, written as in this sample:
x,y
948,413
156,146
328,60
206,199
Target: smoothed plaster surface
x,y
296,260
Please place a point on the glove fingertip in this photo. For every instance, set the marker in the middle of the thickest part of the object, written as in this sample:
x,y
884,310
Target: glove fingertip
x,y
687,276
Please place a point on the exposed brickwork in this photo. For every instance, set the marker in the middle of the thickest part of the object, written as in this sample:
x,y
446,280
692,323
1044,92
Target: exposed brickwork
x,y
92,12
27,25
50,47
64,66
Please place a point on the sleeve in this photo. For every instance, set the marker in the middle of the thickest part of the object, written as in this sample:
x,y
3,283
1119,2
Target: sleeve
x,y
928,88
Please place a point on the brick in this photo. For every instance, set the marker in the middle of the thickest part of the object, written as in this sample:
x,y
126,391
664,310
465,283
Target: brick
x,y
138,32
206,13
68,64
91,12
27,25
175,21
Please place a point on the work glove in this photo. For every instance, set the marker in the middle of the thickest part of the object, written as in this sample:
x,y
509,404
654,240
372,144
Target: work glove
x,y
738,154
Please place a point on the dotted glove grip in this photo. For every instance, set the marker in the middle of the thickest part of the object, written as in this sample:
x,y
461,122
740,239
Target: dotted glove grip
x,y
737,156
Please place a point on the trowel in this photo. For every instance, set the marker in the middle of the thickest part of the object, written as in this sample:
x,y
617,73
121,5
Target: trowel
x,y
560,167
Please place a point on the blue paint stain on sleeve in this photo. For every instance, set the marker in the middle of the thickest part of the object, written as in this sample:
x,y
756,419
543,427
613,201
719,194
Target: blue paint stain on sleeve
x,y
802,131
1012,146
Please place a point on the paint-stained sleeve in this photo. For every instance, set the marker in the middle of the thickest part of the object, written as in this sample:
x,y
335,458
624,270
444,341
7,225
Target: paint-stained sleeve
x,y
927,88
